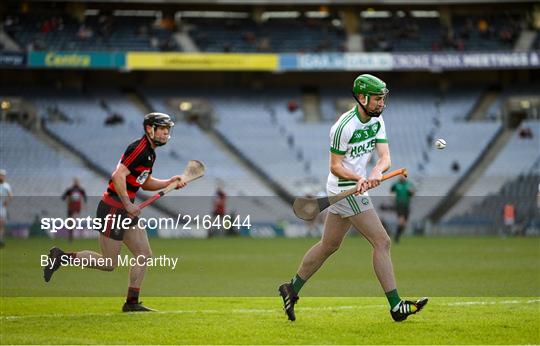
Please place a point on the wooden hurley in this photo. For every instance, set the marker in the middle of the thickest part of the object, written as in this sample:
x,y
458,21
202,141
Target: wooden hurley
x,y
194,170
308,208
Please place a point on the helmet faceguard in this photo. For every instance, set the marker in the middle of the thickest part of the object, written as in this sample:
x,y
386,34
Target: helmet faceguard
x,y
154,120
368,85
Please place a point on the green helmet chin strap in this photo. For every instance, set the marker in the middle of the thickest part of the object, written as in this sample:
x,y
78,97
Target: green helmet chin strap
x,y
367,85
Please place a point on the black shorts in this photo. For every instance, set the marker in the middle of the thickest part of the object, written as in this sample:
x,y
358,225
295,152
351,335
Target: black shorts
x,y
112,227
403,211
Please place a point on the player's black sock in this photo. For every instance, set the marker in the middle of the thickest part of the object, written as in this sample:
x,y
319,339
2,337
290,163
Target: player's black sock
x,y
398,233
133,295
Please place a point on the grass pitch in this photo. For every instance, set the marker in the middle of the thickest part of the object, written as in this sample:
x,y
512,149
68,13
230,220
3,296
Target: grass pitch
x,y
482,291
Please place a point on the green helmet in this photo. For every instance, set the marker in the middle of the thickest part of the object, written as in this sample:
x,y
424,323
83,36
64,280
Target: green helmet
x,y
367,85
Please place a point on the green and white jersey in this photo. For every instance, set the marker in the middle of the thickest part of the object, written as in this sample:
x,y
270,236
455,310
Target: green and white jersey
x,y
355,140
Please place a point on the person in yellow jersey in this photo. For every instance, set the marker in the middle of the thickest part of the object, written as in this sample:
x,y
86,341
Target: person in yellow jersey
x,y
353,138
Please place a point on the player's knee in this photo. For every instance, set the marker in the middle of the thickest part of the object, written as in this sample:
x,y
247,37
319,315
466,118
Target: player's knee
x,y
330,247
383,243
146,254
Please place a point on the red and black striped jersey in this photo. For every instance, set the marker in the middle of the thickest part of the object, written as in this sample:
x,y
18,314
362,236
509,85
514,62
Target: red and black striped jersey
x,y
139,158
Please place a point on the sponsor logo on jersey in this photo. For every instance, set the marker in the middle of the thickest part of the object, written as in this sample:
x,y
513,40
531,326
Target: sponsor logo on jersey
x,y
362,149
143,176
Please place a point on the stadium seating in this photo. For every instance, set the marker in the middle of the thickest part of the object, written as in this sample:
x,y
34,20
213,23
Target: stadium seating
x,y
522,152
46,32
400,34
273,35
469,33
38,175
519,157
521,192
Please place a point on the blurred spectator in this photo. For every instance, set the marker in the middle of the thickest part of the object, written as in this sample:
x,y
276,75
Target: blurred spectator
x,y
292,106
74,197
455,167
167,44
290,141
154,42
467,29
525,133
249,37
103,105
429,139
167,23
264,45
219,208
85,32
459,45
142,31
114,119
509,218
483,27
105,26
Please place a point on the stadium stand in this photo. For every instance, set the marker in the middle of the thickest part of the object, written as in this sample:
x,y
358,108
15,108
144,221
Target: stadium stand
x,y
96,33
495,111
521,192
522,152
43,171
38,175
402,32
273,35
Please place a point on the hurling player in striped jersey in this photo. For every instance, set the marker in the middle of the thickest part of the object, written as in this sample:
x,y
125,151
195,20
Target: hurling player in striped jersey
x,y
134,171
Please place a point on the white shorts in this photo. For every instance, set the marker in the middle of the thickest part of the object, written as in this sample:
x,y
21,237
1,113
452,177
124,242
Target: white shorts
x,y
351,205
3,214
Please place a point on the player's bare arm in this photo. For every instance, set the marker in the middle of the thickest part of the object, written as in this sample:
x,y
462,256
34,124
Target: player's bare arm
x,y
382,165
153,184
336,167
119,181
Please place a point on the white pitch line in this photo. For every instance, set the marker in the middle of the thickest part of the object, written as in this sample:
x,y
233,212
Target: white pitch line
x,y
494,303
259,311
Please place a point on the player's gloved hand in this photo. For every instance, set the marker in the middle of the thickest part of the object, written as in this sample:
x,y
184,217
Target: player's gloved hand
x,y
374,179
132,210
180,183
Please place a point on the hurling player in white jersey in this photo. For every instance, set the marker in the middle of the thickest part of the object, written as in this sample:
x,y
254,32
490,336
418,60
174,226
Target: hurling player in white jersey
x,y
353,139
5,197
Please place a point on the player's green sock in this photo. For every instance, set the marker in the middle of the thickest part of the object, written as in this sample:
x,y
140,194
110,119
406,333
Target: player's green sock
x,y
297,283
393,298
